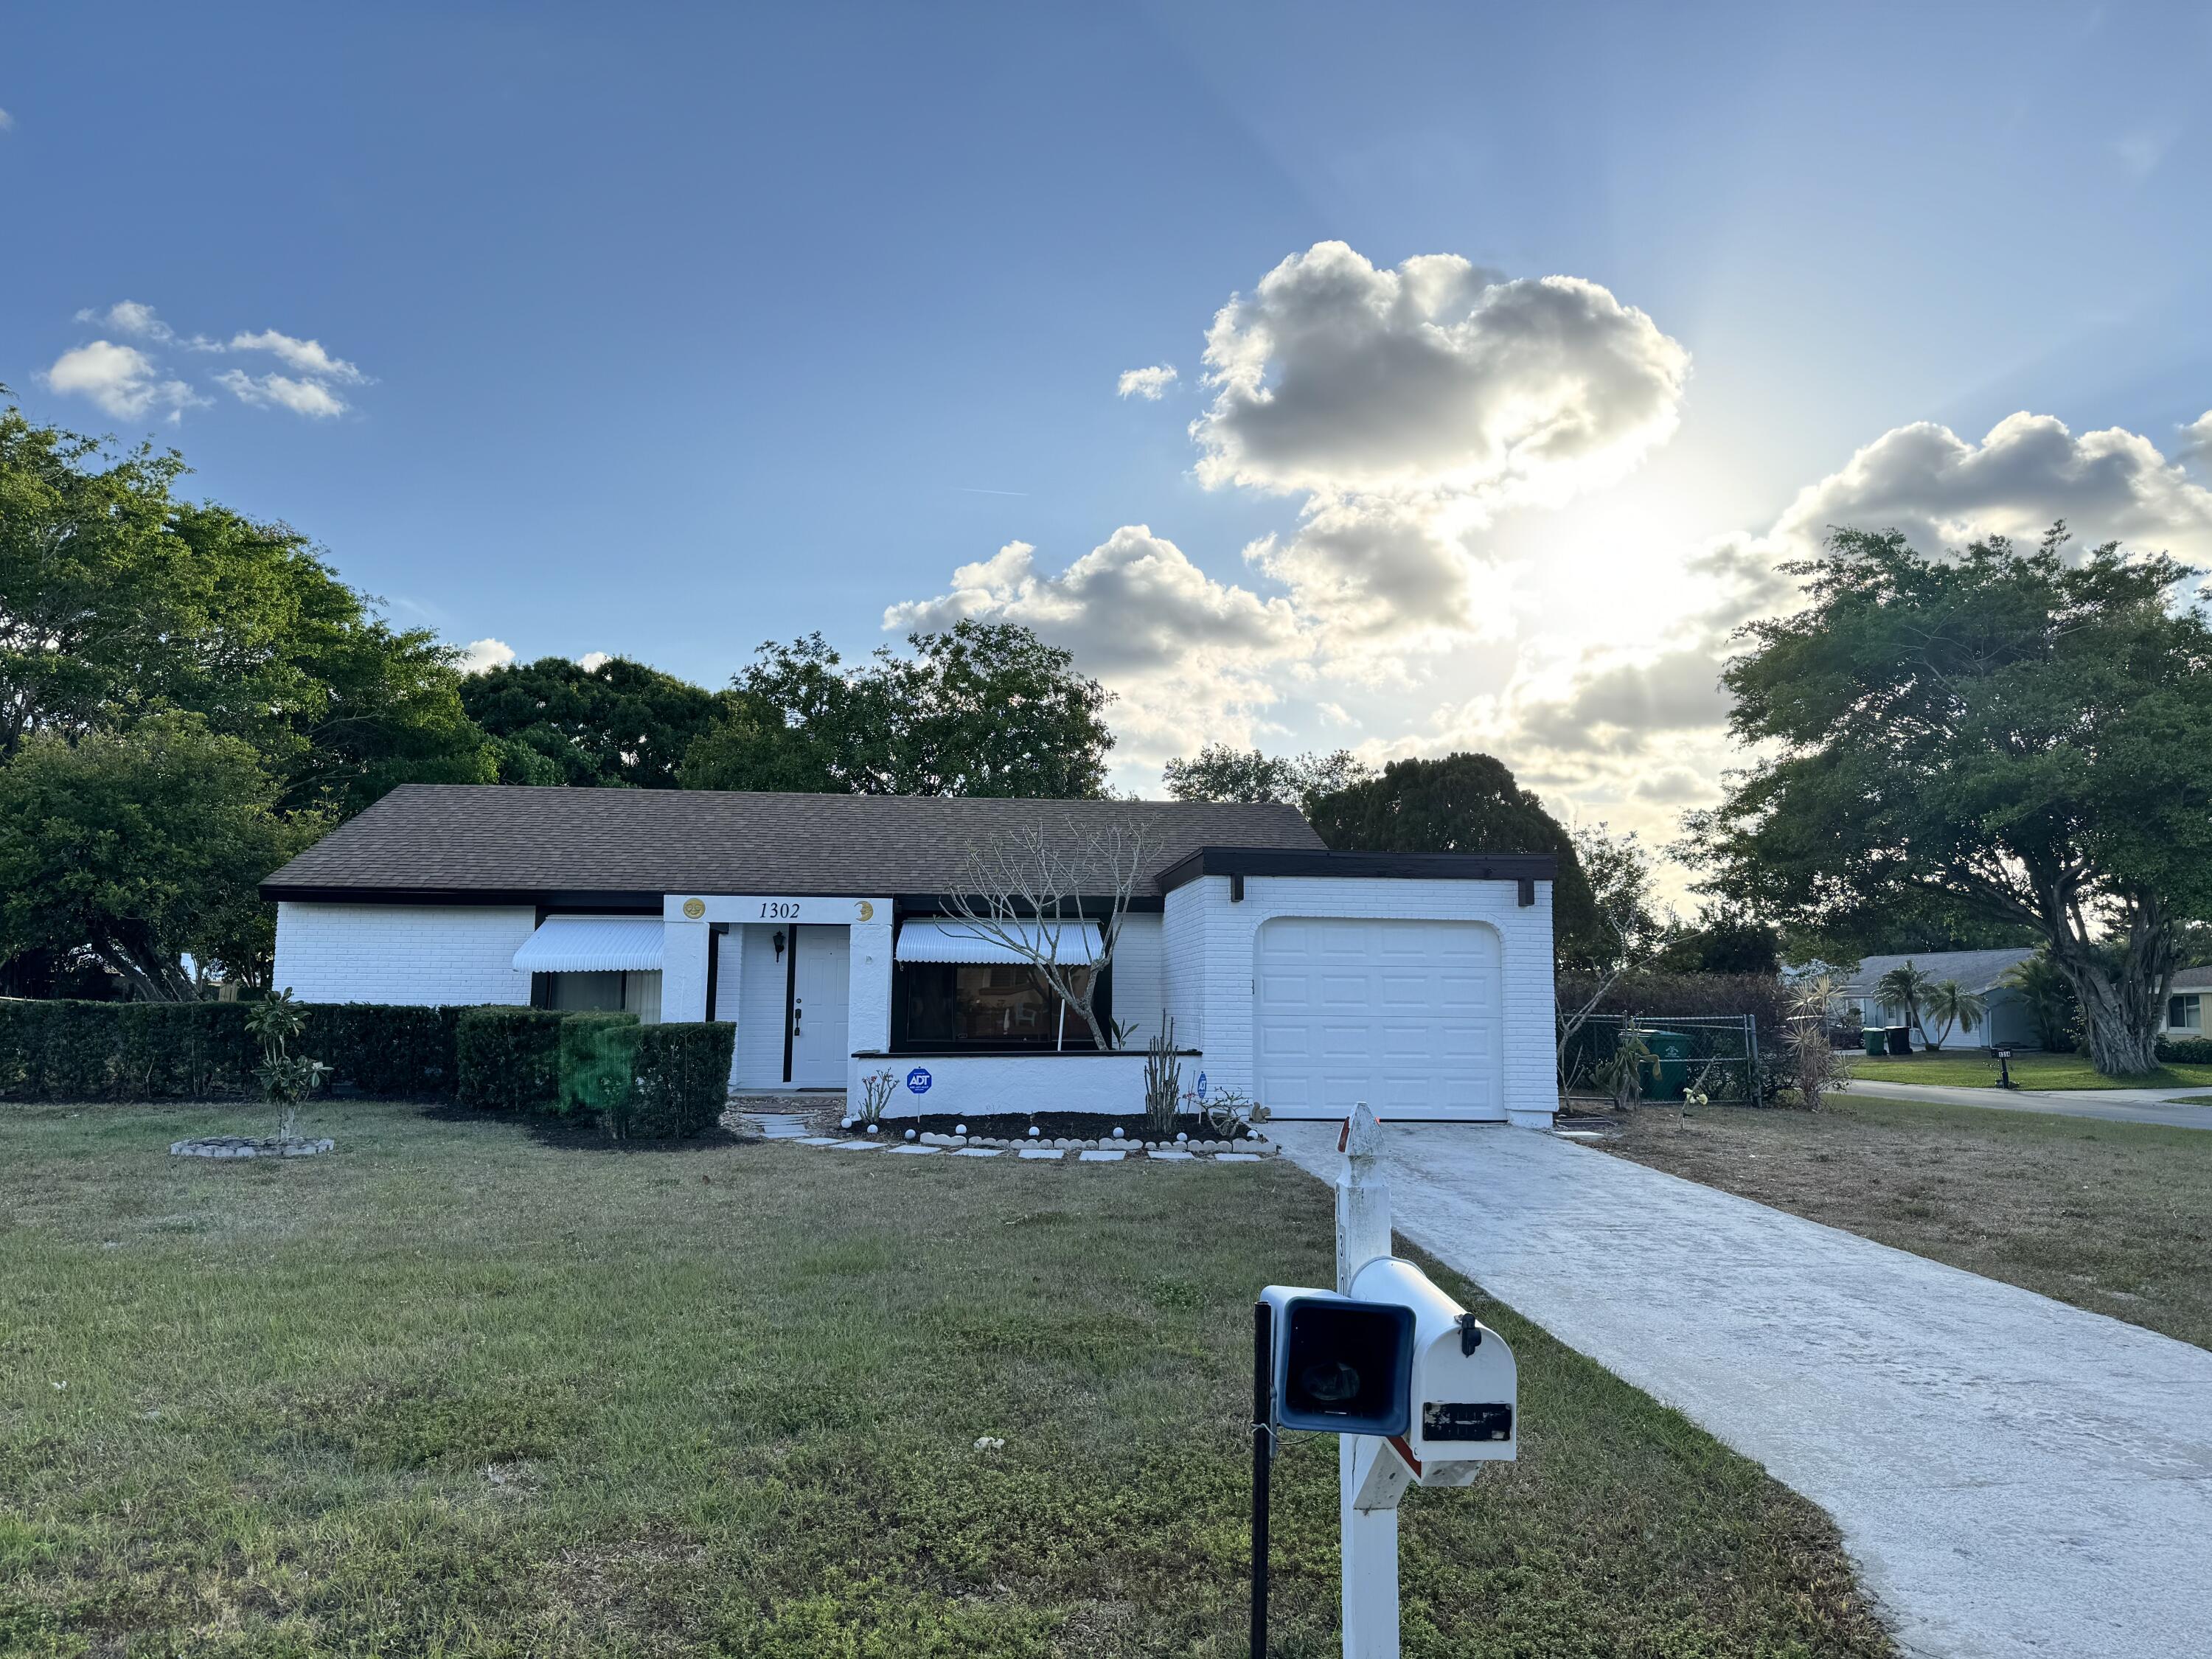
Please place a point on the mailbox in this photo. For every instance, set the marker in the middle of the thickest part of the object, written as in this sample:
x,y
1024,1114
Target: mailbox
x,y
1465,1392
1342,1364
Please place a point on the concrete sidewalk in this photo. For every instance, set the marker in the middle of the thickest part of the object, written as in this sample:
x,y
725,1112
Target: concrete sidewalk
x,y
2014,1476
2111,1105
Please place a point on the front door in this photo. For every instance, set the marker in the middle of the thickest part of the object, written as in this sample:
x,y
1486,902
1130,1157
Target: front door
x,y
821,995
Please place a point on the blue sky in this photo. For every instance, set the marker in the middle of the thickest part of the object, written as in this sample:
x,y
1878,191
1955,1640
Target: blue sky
x,y
662,330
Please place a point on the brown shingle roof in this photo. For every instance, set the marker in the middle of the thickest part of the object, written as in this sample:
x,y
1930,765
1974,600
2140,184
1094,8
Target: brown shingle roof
x,y
458,839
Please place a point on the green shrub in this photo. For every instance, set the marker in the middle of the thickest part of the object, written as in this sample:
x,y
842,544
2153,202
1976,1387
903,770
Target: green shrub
x,y
682,1081
507,1060
72,1050
599,1053
386,1049
2186,1051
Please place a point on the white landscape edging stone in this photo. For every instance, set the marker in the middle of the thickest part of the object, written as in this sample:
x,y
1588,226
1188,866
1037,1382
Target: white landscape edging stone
x,y
1252,1149
247,1147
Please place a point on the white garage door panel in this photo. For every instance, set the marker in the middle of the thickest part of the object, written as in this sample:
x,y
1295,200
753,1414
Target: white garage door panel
x,y
1407,1016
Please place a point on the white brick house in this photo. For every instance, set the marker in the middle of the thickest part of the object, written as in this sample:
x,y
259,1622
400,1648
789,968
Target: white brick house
x,y
821,926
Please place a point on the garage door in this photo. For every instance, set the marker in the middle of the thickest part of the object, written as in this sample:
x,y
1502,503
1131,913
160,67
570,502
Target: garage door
x,y
1407,1016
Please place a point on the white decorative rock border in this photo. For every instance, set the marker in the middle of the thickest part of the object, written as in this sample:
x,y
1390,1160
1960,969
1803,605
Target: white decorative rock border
x,y
246,1146
1251,1150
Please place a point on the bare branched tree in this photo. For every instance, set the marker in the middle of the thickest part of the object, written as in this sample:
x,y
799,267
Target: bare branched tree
x,y
1025,892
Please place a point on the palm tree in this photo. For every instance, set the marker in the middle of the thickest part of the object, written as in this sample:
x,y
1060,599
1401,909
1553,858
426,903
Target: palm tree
x,y
1952,1004
1904,989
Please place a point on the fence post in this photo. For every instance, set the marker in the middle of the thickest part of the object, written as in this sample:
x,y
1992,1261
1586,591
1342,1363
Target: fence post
x,y
1751,1048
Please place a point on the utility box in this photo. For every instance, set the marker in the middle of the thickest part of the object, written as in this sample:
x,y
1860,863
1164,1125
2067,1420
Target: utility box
x,y
1464,1387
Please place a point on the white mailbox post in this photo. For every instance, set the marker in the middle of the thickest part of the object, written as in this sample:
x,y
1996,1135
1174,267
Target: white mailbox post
x,y
1459,1408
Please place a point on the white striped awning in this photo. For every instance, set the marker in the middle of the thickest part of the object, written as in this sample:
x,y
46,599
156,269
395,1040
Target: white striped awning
x,y
949,938
592,944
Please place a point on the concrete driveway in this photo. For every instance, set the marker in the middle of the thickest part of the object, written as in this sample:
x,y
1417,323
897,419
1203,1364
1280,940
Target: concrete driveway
x,y
2014,1476
2111,1105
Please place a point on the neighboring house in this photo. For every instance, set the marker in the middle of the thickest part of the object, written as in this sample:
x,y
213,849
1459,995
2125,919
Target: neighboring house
x,y
2187,1005
820,925
2009,1023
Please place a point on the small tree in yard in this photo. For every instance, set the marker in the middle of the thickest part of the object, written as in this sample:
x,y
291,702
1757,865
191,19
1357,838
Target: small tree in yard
x,y
2019,737
1026,892
1951,1003
1904,988
286,1079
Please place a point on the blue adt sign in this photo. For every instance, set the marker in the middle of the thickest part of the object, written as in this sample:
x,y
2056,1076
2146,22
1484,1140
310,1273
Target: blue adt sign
x,y
917,1081
1201,1086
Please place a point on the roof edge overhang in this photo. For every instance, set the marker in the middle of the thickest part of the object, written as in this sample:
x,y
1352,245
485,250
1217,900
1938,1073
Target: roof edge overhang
x,y
586,898
1393,866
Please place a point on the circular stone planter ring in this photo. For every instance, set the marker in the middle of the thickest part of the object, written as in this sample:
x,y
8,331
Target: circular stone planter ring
x,y
246,1146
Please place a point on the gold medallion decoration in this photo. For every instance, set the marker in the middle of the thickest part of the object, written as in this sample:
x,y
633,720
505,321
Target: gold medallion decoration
x,y
695,909
868,911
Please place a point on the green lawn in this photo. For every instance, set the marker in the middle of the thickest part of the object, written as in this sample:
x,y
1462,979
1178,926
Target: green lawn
x,y
458,1389
2113,1217
2030,1070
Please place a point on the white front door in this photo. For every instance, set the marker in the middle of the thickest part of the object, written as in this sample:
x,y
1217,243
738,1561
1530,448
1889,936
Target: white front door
x,y
1407,1016
821,997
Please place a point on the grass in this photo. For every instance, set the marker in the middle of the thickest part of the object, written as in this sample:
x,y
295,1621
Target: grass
x,y
460,1388
2113,1217
2033,1070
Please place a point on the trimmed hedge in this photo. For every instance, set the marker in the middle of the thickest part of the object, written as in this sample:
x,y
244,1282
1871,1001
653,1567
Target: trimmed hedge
x,y
2186,1051
507,1060
682,1081
598,1055
384,1048
70,1050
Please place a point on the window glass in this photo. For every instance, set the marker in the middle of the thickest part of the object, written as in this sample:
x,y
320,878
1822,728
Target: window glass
x,y
2185,1013
984,1005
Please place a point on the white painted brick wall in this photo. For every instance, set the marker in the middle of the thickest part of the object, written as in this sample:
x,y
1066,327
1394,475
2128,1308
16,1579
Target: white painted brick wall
x,y
1212,959
425,955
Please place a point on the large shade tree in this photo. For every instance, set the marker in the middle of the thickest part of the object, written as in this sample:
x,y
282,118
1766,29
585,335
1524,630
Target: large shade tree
x,y
1466,803
1219,772
614,723
983,709
2009,732
139,848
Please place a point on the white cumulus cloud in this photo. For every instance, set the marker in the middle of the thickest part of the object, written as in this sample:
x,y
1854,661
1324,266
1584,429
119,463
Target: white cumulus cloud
x,y
1334,376
306,357
309,398
477,655
1944,491
1150,384
121,380
1185,653
128,317
2197,439
591,661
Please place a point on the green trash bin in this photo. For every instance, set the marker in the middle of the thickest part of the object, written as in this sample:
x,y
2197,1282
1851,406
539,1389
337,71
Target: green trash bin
x,y
1667,1073
1874,1041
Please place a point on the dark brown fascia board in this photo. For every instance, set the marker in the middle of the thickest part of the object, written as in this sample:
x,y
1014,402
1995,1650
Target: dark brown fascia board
x,y
1431,867
544,898
944,904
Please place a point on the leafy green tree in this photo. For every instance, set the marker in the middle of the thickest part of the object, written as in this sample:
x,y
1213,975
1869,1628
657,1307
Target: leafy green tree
x,y
1904,989
1222,773
1722,940
141,846
118,599
981,709
1466,803
2017,735
619,723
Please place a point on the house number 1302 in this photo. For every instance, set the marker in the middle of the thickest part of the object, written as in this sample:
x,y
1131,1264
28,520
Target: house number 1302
x,y
780,910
